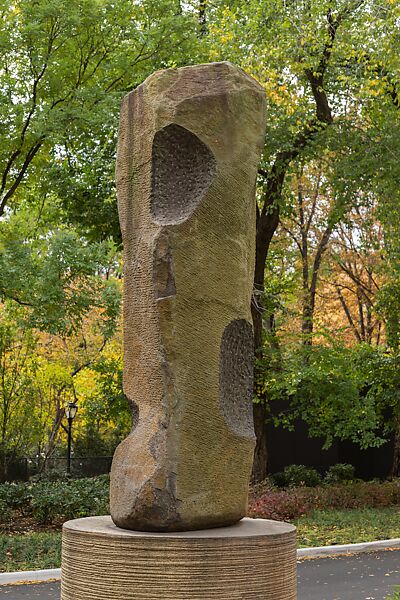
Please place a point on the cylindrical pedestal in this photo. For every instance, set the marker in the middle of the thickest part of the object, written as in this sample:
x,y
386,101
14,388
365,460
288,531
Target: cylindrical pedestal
x,y
253,560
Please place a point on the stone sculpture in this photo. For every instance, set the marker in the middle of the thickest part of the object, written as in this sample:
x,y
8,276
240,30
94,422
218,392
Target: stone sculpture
x,y
189,145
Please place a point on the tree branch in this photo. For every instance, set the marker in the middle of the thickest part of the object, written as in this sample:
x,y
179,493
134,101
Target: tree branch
x,y
28,159
348,314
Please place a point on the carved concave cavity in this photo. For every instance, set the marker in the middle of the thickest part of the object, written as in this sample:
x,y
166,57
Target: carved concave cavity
x,y
236,377
182,170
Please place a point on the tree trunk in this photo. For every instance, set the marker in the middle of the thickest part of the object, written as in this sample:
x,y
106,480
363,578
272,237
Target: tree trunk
x,y
266,227
395,472
260,462
203,17
307,321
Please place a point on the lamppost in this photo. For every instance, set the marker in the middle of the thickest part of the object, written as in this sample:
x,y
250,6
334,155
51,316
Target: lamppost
x,y
70,413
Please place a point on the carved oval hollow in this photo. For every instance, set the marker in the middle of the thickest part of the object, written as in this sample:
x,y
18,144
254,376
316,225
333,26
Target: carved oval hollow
x,y
236,377
183,168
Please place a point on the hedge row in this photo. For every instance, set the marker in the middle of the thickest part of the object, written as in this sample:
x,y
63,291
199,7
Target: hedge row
x,y
286,505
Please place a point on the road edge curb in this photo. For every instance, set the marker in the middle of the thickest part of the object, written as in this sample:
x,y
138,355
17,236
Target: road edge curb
x,y
30,576
359,548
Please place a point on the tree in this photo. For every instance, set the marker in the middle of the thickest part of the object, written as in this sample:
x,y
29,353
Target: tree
x,y
358,272
55,275
17,372
313,217
321,65
41,372
104,415
63,67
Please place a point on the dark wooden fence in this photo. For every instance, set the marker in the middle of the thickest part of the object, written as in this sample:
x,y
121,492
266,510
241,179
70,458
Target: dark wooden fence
x,y
295,447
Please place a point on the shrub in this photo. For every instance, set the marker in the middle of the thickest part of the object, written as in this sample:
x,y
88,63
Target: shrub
x,y
360,495
279,506
50,475
5,512
51,502
16,496
63,500
395,595
263,487
297,475
339,473
295,502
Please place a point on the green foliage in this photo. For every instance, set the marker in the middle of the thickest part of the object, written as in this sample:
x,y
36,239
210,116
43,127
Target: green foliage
x,y
106,417
17,372
84,185
107,401
64,66
5,511
55,276
297,475
340,392
16,496
60,501
53,474
284,44
52,502
388,306
395,595
94,441
40,374
339,473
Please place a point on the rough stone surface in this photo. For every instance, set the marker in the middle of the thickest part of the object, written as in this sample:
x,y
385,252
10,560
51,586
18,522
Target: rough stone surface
x,y
236,376
189,145
254,559
182,170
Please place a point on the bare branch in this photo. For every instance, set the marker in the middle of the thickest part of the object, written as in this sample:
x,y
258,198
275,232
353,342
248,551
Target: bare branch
x,y
348,314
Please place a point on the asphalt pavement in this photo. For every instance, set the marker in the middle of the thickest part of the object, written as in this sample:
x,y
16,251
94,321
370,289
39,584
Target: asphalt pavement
x,y
36,591
369,576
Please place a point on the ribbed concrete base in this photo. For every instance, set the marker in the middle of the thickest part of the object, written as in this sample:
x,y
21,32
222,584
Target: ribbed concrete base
x,y
253,560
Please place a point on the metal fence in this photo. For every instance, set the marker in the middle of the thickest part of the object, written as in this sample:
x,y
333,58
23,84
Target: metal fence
x,y
82,467
14,470
22,469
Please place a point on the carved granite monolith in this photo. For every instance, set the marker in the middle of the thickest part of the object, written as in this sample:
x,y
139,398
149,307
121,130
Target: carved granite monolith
x,y
189,145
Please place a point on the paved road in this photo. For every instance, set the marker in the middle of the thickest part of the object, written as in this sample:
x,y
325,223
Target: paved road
x,y
361,577
37,591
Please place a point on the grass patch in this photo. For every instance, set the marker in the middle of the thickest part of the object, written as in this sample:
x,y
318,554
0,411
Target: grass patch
x,y
30,551
330,527
42,550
